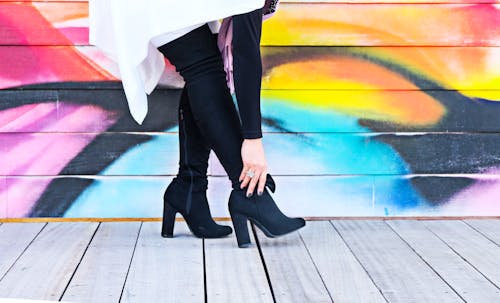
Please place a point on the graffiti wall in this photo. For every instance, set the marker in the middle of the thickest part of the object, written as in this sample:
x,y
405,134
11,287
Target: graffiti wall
x,y
370,108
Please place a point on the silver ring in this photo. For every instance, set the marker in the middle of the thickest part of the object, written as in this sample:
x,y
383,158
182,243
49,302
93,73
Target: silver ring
x,y
250,173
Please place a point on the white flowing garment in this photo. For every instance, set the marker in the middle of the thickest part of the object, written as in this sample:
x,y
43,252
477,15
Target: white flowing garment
x,y
129,32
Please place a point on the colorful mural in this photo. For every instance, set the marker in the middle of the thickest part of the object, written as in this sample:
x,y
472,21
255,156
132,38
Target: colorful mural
x,y
373,109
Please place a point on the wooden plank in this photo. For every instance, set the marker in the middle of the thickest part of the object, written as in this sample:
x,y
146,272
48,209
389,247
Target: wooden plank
x,y
165,269
3,197
423,153
291,270
82,153
342,274
474,247
305,2
297,24
380,67
490,228
82,197
83,110
61,246
397,271
283,111
101,273
233,274
285,67
313,1
383,24
460,275
369,1
14,239
132,154
44,23
368,195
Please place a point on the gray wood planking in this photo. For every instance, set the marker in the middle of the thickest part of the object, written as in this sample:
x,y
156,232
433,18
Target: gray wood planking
x,y
165,269
292,272
397,271
471,245
338,260
233,274
103,270
490,228
46,266
343,275
461,276
14,238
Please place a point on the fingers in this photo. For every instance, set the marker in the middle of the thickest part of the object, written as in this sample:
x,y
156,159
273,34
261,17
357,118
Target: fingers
x,y
259,180
243,173
253,182
262,183
244,177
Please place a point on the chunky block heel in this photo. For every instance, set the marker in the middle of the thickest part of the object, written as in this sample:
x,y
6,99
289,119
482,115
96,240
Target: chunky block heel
x,y
241,229
167,228
189,199
261,211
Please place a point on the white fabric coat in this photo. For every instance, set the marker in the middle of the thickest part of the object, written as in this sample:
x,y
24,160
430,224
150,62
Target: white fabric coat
x,y
129,32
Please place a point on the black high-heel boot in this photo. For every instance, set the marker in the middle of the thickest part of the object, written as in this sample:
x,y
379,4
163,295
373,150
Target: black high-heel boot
x,y
190,200
262,211
187,192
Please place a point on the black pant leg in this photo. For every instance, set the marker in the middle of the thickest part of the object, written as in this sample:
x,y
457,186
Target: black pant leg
x,y
198,59
194,152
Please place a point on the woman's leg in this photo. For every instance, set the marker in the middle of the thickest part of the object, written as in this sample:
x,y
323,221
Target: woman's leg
x,y
194,152
198,59
187,191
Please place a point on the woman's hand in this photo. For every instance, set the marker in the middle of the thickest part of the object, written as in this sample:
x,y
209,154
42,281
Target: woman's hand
x,y
252,154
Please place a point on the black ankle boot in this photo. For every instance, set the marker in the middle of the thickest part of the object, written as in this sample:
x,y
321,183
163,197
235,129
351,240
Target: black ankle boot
x,y
262,211
189,199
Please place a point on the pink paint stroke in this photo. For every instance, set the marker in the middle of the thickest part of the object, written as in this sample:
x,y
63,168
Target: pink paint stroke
x,y
42,154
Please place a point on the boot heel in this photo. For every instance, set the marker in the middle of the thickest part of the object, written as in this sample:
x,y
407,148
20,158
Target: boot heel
x,y
167,228
241,229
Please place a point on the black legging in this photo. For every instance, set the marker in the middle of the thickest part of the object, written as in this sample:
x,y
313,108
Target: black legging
x,y
197,58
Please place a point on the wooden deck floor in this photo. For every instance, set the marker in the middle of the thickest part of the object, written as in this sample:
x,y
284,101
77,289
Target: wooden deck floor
x,y
327,261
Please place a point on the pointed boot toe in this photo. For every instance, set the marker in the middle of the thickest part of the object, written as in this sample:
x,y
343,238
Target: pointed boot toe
x,y
189,199
262,211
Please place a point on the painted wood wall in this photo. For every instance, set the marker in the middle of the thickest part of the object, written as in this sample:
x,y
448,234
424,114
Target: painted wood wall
x,y
372,107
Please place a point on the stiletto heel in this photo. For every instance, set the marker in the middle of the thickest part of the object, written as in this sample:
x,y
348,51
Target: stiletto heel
x,y
241,229
167,228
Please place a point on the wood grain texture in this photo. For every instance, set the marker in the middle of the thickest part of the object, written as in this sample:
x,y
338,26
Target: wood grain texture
x,y
14,239
397,271
102,272
233,274
461,276
489,228
166,268
292,272
409,260
342,274
471,245
60,246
